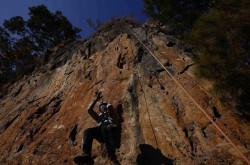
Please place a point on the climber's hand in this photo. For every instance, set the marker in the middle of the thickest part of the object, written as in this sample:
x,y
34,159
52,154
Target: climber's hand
x,y
98,96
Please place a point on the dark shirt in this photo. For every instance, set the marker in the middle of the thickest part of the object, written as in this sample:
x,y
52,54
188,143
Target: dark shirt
x,y
102,118
105,118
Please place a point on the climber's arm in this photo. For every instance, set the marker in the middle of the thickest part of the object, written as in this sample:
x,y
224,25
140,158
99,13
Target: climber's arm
x,y
91,111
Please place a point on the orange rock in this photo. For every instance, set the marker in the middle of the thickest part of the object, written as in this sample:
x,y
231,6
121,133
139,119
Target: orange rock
x,y
43,115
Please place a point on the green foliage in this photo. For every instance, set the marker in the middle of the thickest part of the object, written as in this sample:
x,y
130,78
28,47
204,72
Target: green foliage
x,y
5,41
22,42
15,25
222,38
92,25
179,15
115,27
219,31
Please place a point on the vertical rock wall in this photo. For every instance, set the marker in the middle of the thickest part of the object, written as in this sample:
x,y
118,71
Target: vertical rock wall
x,y
43,115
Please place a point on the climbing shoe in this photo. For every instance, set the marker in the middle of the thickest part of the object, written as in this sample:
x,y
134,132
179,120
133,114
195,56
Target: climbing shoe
x,y
83,159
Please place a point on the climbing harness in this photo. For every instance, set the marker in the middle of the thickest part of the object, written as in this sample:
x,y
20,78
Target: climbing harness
x,y
201,109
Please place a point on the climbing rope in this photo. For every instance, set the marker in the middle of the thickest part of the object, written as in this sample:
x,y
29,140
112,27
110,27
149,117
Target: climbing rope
x,y
201,109
150,122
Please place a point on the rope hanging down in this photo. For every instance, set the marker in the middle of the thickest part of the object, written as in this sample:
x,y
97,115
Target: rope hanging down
x,y
150,122
201,109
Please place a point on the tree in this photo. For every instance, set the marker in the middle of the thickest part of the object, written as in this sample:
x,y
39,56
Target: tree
x,y
5,41
222,39
5,61
219,31
44,28
179,15
22,42
94,26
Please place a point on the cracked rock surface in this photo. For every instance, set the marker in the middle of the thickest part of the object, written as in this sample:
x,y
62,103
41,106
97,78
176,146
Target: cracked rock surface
x,y
43,115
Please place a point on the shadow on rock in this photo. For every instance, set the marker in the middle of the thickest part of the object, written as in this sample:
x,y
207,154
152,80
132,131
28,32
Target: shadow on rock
x,y
117,131
151,156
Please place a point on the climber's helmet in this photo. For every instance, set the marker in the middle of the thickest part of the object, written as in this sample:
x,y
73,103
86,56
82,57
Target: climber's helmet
x,y
103,107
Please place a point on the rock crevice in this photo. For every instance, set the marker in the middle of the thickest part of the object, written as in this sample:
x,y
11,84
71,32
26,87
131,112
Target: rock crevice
x,y
43,114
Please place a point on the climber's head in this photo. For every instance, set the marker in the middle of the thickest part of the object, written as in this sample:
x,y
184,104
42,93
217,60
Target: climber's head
x,y
103,107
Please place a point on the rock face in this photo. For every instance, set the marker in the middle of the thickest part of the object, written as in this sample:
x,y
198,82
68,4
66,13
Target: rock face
x,y
43,115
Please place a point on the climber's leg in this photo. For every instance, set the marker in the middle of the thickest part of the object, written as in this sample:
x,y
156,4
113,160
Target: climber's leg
x,y
88,136
106,138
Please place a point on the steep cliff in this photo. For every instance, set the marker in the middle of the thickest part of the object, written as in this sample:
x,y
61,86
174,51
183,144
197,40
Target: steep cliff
x,y
43,115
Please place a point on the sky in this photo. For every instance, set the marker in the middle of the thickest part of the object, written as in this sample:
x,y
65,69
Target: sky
x,y
77,11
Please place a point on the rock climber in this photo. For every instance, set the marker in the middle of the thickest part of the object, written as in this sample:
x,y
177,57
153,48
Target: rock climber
x,y
103,132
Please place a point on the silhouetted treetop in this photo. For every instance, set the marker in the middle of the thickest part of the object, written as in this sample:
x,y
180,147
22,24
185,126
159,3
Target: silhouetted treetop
x,y
23,41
